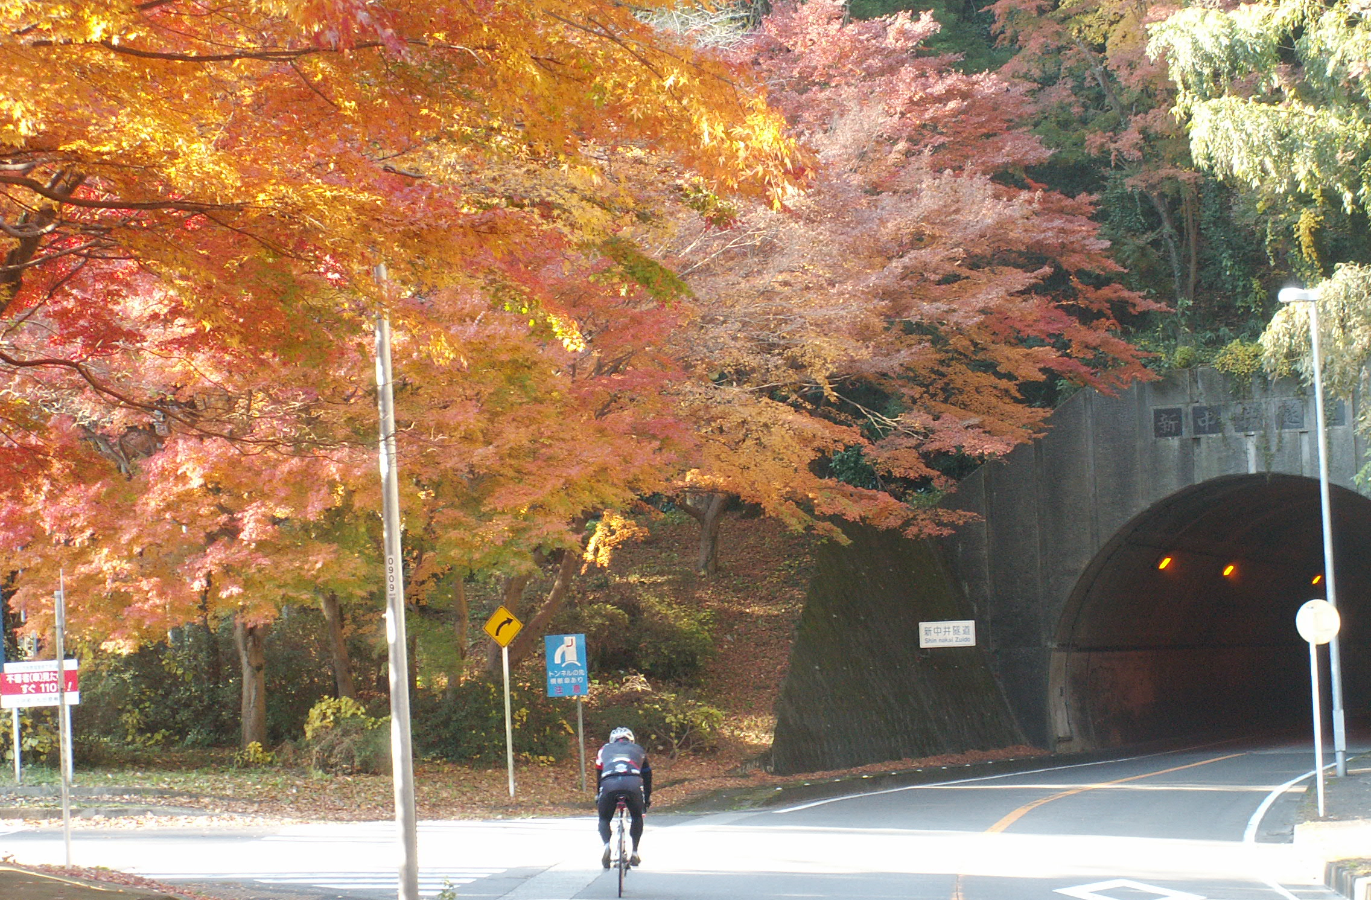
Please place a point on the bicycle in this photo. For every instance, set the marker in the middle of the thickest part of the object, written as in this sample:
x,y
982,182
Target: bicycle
x,y
621,842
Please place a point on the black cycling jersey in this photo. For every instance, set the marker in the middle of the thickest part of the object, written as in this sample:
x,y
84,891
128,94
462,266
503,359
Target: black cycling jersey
x,y
623,765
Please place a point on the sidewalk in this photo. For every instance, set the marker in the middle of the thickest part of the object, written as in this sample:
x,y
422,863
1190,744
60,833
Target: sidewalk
x,y
1343,835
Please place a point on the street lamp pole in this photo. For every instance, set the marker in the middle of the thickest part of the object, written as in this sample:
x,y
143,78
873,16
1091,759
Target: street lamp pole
x,y
1298,295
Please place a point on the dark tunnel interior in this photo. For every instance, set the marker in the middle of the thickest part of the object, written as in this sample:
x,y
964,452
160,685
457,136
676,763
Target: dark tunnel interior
x,y
1184,624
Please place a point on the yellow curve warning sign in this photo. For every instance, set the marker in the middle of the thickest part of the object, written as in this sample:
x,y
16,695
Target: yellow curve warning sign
x,y
503,626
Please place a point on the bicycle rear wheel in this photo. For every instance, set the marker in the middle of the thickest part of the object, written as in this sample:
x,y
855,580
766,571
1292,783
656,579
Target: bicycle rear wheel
x,y
623,851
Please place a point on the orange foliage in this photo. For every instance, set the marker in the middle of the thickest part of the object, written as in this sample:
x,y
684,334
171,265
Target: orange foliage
x,y
194,200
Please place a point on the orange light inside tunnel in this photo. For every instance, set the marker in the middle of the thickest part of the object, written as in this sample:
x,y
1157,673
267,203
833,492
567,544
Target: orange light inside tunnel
x,y
1165,561
1229,569
1317,579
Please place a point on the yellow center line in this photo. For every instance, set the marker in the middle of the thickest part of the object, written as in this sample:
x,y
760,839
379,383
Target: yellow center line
x,y
1024,810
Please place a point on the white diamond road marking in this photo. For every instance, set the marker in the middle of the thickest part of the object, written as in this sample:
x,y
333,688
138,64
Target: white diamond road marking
x,y
1092,891
431,881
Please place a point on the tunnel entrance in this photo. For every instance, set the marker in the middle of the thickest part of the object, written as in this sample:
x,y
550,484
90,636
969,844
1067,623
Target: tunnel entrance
x,y
1184,623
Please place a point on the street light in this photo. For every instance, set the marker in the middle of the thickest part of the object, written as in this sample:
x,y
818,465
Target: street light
x,y
1299,295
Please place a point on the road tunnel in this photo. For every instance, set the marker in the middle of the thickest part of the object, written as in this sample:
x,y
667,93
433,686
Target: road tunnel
x,y
1184,622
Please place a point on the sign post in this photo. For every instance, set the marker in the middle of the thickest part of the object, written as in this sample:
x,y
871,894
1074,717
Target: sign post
x,y
567,677
503,626
14,729
1318,623
63,722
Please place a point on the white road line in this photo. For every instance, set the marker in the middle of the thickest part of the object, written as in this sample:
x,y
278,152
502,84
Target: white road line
x,y
431,881
1249,835
965,781
1092,891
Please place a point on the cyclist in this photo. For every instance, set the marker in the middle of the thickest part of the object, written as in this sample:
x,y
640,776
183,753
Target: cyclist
x,y
622,771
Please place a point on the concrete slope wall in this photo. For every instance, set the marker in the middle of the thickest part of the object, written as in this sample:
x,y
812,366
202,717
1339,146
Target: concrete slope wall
x,y
859,689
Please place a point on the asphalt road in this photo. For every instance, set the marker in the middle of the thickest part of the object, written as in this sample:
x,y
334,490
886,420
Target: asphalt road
x,y
1210,823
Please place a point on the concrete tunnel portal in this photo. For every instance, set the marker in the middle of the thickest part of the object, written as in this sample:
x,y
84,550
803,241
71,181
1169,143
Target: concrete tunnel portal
x,y
1133,577
1184,622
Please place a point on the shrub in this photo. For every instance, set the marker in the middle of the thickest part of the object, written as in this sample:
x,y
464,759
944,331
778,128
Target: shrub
x,y
663,721
644,634
467,723
341,737
186,691
38,738
181,692
299,671
1240,359
253,757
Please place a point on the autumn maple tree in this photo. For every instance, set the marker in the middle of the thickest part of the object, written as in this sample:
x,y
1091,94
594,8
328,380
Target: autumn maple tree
x,y
606,275
1104,103
194,201
891,316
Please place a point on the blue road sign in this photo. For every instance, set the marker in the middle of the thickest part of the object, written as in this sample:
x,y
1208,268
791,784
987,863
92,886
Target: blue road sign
x,y
566,665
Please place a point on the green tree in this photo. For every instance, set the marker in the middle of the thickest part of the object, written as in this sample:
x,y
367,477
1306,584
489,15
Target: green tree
x,y
1344,332
1275,97
1104,106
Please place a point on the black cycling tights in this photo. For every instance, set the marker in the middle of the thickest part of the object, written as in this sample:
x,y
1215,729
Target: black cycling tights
x,y
609,801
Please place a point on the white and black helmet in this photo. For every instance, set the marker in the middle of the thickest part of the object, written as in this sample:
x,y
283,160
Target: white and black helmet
x,y
622,734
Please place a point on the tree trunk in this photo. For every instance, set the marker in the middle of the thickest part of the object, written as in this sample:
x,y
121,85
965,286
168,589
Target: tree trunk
x,y
1171,239
252,657
707,509
337,645
528,637
1192,236
461,618
514,592
214,665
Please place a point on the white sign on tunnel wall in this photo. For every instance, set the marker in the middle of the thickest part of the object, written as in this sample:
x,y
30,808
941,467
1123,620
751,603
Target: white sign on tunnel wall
x,y
952,633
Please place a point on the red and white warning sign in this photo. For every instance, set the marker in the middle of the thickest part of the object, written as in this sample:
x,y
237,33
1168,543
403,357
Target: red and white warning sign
x,y
35,684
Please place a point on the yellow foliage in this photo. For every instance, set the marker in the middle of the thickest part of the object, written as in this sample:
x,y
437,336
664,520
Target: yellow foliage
x,y
611,531
253,756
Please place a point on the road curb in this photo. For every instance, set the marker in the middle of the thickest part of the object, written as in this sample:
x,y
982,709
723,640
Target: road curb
x,y
96,812
1347,879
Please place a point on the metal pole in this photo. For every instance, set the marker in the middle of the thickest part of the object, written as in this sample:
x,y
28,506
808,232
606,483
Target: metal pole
x,y
1334,657
18,766
402,756
581,739
14,713
63,723
1318,722
67,757
509,721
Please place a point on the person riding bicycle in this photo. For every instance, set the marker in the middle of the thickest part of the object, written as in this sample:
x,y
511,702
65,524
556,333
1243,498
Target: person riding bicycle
x,y
622,771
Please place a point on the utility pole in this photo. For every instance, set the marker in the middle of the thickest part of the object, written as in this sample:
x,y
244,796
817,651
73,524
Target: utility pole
x,y
402,756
